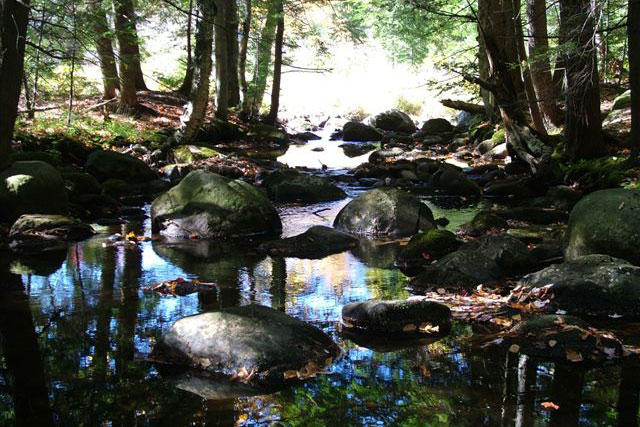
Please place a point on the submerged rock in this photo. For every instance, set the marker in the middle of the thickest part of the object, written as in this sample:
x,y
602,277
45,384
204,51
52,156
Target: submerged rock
x,y
395,121
208,206
355,150
31,187
460,269
508,252
431,245
605,222
410,317
385,211
484,221
251,343
105,164
360,132
50,226
454,183
595,285
317,242
293,186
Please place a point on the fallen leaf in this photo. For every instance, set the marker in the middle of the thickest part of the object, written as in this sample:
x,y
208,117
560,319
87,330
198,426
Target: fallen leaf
x,y
550,406
552,343
573,356
409,327
514,348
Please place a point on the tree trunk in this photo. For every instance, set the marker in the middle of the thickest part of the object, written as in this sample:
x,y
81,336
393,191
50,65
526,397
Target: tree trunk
x,y
534,108
583,123
185,87
226,48
507,37
13,30
263,60
232,47
199,97
488,99
104,46
125,18
539,62
127,41
633,31
277,66
242,65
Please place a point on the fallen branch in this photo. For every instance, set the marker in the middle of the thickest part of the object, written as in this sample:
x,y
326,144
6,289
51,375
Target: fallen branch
x,y
464,106
41,109
101,104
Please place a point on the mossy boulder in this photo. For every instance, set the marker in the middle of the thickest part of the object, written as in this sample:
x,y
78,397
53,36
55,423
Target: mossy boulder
x,y
416,317
622,101
317,242
511,254
360,132
460,269
31,187
293,186
53,157
266,133
428,246
605,222
50,226
395,121
385,211
209,205
594,285
436,126
484,221
252,343
220,130
105,164
186,154
78,183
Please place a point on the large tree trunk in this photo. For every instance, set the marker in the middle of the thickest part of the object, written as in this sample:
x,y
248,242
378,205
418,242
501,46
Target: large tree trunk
x,y
507,38
13,30
128,54
277,66
534,108
185,87
633,31
488,99
104,46
226,48
233,53
583,123
199,97
242,65
539,62
263,59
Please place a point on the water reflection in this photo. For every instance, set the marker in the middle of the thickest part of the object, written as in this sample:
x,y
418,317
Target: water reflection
x,y
74,342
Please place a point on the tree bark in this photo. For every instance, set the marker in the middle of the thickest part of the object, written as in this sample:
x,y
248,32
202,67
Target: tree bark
x,y
277,65
463,106
14,15
539,62
488,99
633,31
242,65
127,42
263,59
583,123
233,53
185,87
199,97
104,46
226,49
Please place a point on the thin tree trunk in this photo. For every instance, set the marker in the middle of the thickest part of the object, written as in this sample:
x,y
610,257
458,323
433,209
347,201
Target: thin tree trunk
x,y
488,99
633,31
199,97
73,64
27,97
125,32
507,37
125,12
232,55
104,46
242,65
226,48
277,66
583,123
539,61
263,60
14,15
35,92
185,88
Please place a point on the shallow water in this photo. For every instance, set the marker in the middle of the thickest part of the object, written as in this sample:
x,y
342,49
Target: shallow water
x,y
76,332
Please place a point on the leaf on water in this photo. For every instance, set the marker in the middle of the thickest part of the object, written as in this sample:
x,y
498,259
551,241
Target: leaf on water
x,y
573,356
550,406
552,343
428,328
515,348
290,374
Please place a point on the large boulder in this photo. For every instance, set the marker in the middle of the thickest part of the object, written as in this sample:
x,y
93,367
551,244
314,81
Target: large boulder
x,y
251,343
50,226
454,183
622,101
105,164
431,245
460,269
208,206
510,253
605,222
385,211
596,285
413,317
78,183
360,132
483,222
395,121
436,127
293,186
31,187
317,242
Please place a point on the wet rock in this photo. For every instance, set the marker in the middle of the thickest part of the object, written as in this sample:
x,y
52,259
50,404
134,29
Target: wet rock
x,y
562,197
562,338
464,269
187,154
506,188
220,130
293,186
213,388
111,164
266,133
209,206
451,182
485,146
355,150
250,343
384,155
50,226
81,183
385,211
306,136
377,254
431,245
395,121
31,188
484,221
595,285
407,317
534,215
605,222
317,242
437,126
509,253
357,131
500,151
176,172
